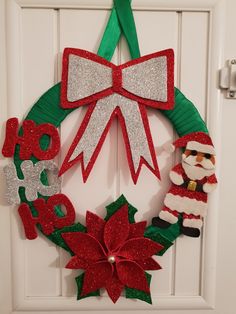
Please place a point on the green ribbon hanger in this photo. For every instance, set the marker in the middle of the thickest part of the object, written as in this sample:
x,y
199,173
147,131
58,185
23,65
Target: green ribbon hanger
x,y
121,21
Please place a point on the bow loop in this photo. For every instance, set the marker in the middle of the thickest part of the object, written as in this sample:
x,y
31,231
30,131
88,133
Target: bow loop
x,y
121,91
147,80
86,78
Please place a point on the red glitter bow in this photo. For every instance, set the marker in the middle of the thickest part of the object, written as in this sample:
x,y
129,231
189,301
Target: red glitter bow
x,y
114,254
110,90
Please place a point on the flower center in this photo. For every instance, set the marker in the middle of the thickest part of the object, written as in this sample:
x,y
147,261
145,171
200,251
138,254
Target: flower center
x,y
111,259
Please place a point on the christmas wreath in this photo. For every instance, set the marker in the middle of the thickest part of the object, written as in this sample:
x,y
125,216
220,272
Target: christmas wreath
x,y
114,252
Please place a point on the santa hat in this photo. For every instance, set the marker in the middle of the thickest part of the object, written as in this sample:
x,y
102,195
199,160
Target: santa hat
x,y
198,141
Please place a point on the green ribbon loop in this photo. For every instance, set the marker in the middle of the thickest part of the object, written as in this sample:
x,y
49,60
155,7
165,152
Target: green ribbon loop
x,y
111,37
127,23
121,21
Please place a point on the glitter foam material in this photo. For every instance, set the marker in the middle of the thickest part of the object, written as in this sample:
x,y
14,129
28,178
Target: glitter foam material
x,y
155,88
46,216
131,256
136,130
111,91
29,141
32,180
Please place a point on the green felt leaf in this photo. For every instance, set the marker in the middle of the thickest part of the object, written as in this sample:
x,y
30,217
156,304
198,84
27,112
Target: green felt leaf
x,y
121,201
138,294
170,233
56,237
79,281
154,235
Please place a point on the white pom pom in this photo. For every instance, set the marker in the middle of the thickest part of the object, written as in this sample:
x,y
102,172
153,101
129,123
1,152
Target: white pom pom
x,y
169,147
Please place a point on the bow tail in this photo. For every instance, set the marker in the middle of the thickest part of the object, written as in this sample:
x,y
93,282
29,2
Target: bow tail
x,y
89,138
138,140
93,130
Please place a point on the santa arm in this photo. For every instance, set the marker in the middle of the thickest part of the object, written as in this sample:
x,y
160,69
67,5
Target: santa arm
x,y
176,175
211,184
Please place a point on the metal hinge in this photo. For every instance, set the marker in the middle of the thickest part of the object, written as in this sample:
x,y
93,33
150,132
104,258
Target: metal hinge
x,y
228,79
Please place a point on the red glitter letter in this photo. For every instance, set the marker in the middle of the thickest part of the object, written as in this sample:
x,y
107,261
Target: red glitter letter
x,y
29,141
46,215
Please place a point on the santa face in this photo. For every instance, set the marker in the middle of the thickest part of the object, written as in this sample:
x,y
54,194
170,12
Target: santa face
x,y
198,165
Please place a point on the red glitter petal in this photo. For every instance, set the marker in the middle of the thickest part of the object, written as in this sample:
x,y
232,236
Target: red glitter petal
x,y
84,245
96,277
136,230
149,264
116,229
139,249
114,288
77,263
95,226
132,275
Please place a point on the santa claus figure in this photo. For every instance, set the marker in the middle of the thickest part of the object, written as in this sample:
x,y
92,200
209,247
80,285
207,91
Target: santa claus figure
x,y
192,180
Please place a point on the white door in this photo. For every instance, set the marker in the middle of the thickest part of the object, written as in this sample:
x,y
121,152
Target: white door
x,y
198,275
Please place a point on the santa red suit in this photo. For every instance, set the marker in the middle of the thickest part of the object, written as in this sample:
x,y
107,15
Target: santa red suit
x,y
192,180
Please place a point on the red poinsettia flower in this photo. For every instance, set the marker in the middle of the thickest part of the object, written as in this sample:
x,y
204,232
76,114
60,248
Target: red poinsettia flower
x,y
114,254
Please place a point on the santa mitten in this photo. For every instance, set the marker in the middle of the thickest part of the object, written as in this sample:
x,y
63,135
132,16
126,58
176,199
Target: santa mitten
x,y
176,175
176,178
209,187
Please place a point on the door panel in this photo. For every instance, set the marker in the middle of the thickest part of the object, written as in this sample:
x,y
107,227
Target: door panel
x,y
37,32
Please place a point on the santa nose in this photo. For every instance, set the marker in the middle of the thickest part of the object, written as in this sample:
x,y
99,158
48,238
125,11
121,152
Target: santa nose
x,y
199,158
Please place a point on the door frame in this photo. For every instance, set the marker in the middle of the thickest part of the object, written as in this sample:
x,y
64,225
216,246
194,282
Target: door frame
x,y
11,91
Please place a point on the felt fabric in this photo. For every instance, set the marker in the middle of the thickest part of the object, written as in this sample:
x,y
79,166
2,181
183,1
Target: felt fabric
x,y
116,255
131,293
46,215
170,233
97,230
30,140
168,215
116,205
196,140
184,199
192,221
79,281
192,180
56,236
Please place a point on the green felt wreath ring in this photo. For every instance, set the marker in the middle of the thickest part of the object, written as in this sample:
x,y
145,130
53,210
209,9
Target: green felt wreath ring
x,y
184,117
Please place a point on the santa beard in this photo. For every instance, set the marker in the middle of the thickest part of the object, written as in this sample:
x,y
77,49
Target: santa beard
x,y
196,173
